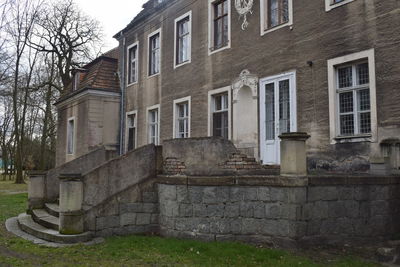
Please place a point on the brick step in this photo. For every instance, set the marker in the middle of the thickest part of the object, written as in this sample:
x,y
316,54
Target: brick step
x,y
28,225
52,209
43,218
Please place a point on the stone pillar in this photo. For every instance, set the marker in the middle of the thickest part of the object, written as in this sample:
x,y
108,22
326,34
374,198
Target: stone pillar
x,y
293,154
71,199
36,190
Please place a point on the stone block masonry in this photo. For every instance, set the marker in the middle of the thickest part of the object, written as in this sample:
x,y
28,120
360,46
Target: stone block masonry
x,y
129,218
240,162
173,166
285,216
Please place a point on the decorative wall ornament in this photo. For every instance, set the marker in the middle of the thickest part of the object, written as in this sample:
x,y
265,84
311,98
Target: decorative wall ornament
x,y
244,7
245,79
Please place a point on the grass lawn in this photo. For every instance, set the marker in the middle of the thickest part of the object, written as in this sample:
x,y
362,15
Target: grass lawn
x,y
142,250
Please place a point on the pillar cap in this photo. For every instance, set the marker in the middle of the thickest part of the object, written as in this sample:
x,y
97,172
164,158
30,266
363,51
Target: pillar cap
x,y
70,177
296,136
33,174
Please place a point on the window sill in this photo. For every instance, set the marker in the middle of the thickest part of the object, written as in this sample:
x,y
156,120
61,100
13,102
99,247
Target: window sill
x,y
329,7
265,31
182,64
153,75
353,139
216,50
130,84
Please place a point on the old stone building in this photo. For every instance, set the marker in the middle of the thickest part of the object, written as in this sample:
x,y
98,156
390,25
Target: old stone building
x,y
251,70
219,121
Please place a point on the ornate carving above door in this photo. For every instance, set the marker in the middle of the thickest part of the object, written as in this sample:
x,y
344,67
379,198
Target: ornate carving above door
x,y
245,79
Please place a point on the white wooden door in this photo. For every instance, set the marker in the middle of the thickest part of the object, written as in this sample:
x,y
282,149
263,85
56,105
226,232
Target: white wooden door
x,y
277,114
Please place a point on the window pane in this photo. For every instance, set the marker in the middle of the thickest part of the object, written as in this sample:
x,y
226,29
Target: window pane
x,y
270,111
183,41
132,65
273,12
365,122
347,124
225,4
363,100
220,24
346,102
284,107
220,124
217,119
225,30
363,73
71,130
219,9
225,124
345,77
131,138
218,102
285,11
154,54
225,101
131,121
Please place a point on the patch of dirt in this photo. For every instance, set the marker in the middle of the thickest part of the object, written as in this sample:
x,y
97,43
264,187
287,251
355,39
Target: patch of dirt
x,y
9,192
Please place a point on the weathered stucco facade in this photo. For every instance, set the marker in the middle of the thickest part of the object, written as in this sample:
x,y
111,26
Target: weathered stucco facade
x,y
303,47
92,103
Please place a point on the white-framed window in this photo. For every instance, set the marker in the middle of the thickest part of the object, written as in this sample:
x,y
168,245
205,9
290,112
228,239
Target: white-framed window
x,y
219,112
131,130
154,53
352,97
275,14
331,4
219,25
182,117
183,40
153,124
71,132
133,63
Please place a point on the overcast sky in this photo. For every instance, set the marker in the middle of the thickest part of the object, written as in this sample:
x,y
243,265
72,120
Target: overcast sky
x,y
114,15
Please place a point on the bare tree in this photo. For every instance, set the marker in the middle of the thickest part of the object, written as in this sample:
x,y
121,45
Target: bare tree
x,y
22,17
4,56
72,36
6,132
40,43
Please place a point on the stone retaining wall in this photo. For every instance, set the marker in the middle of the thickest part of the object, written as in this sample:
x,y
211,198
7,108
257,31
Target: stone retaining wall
x,y
133,211
131,218
321,211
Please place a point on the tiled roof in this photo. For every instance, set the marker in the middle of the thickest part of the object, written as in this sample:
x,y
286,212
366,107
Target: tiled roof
x,y
100,74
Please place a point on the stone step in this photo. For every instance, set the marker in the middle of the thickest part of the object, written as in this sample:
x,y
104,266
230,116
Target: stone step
x,y
43,218
29,226
52,209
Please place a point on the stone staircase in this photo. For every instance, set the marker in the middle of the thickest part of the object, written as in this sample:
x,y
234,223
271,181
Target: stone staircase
x,y
44,224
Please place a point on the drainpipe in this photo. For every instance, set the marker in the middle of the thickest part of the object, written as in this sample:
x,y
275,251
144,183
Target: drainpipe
x,y
121,76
